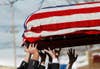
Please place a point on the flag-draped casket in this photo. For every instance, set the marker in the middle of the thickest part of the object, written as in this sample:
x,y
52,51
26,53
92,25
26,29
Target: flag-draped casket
x,y
63,26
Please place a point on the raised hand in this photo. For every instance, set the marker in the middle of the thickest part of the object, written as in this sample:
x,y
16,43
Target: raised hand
x,y
32,49
50,52
72,57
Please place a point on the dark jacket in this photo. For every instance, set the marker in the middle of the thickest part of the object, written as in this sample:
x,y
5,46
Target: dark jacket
x,y
31,65
35,65
23,65
53,66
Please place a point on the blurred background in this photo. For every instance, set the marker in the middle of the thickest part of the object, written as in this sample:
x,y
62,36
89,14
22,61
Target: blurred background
x,y
13,14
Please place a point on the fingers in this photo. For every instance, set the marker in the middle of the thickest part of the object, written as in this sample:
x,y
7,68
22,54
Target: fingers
x,y
26,49
49,49
68,53
53,50
59,49
71,51
76,57
30,46
33,45
46,50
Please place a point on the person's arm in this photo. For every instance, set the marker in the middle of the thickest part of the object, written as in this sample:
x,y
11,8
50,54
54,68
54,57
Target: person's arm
x,y
55,64
33,63
24,63
42,55
72,57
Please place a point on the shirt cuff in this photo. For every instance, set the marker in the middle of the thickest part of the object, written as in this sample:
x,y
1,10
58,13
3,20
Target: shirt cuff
x,y
55,60
42,64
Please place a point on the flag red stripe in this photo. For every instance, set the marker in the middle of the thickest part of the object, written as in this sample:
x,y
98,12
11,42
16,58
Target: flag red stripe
x,y
88,32
55,27
92,32
63,13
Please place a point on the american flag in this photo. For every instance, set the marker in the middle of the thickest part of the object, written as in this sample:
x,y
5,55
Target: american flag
x,y
60,20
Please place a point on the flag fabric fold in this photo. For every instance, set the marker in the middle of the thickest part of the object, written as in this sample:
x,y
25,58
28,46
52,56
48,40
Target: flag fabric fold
x,y
62,20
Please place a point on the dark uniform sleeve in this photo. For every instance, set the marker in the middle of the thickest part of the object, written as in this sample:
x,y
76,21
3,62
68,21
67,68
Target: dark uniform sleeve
x,y
24,65
33,64
49,66
53,66
41,67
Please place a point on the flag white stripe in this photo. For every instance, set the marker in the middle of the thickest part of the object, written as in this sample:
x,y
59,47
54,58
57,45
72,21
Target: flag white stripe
x,y
59,32
62,19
